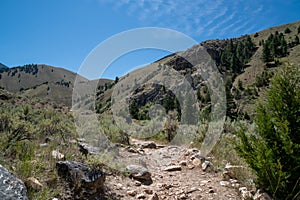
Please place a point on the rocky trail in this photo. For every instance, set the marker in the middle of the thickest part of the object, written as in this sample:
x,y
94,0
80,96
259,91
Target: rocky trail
x,y
170,172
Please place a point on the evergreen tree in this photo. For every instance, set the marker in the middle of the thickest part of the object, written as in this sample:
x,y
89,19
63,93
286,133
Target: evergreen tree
x,y
287,30
274,153
296,40
266,52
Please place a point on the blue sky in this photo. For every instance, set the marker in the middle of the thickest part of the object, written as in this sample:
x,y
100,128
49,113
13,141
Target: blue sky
x,y
63,32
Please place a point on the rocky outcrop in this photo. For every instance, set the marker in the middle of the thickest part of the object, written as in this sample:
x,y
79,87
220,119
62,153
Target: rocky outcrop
x,y
81,177
11,187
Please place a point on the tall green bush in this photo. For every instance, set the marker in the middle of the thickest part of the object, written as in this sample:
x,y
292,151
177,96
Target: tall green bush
x,y
273,152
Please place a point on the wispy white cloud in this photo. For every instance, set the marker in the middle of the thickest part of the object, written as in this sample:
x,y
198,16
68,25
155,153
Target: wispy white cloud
x,y
195,18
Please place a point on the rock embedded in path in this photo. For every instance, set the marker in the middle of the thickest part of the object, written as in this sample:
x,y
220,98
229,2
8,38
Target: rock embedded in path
x,y
138,172
11,187
173,168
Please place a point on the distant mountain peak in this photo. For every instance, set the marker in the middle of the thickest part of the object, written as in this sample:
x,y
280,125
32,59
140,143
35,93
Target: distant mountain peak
x,y
2,66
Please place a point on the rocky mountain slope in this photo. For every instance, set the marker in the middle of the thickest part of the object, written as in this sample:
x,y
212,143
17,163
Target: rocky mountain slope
x,y
43,81
239,61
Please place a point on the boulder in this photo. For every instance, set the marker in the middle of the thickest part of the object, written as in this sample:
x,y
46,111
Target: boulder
x,y
11,187
81,177
138,172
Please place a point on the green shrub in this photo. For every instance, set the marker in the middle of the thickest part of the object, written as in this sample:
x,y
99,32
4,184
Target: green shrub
x,y
274,152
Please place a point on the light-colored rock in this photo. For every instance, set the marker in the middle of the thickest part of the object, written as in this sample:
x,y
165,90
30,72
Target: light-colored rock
x,y
141,196
183,163
33,183
196,162
246,195
137,183
173,168
205,165
260,195
132,193
57,155
44,145
225,183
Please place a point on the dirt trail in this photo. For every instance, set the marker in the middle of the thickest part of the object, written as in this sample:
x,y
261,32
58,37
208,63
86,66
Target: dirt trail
x,y
176,173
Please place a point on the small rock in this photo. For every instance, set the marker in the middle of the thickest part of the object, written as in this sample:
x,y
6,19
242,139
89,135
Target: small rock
x,y
224,183
148,191
235,185
137,183
233,181
141,196
246,195
154,197
205,165
132,150
132,193
227,175
196,162
119,186
183,163
183,196
149,145
57,155
33,183
86,149
211,191
190,166
43,145
193,189
260,195
173,168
